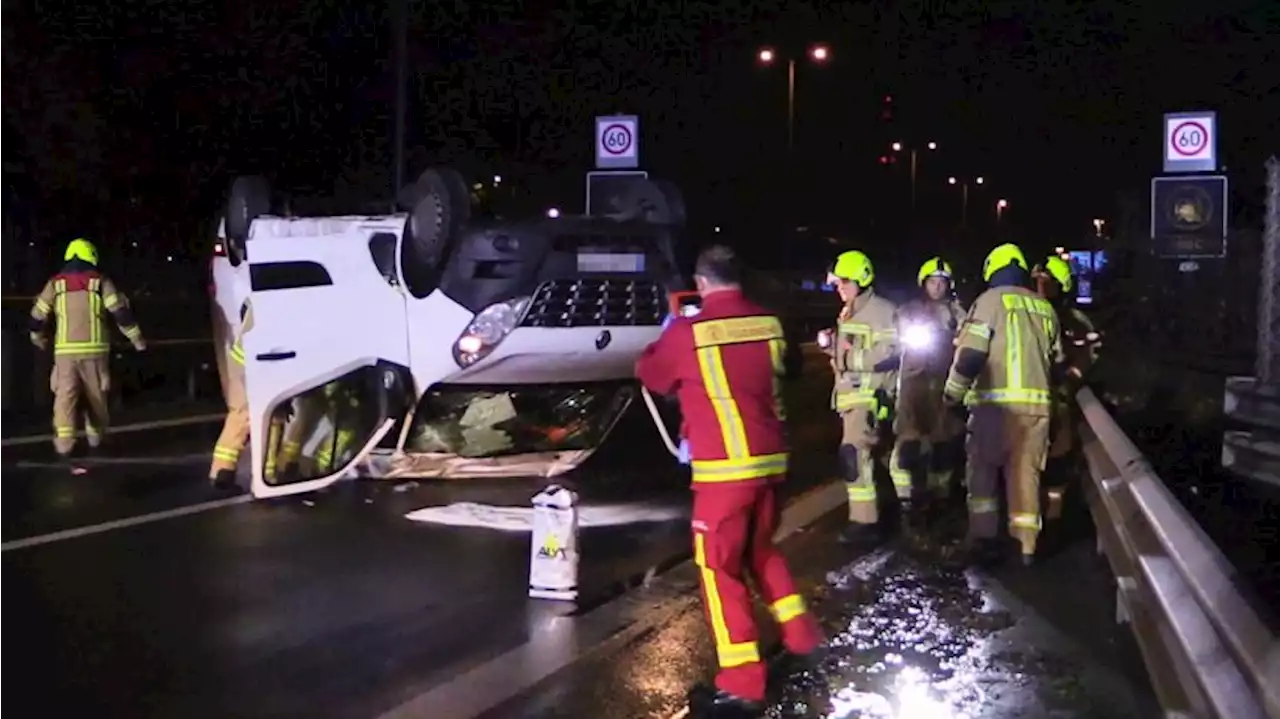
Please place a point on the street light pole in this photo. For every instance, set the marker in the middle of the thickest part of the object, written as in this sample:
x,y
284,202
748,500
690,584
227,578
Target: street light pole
x,y
399,32
964,197
818,54
915,160
791,110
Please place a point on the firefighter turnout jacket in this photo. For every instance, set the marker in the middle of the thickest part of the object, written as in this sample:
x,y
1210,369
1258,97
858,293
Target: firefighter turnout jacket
x,y
725,365
1007,352
941,321
865,353
78,300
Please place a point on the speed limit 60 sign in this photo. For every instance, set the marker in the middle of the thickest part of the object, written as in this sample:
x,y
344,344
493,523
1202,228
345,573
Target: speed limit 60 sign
x,y
1190,142
617,142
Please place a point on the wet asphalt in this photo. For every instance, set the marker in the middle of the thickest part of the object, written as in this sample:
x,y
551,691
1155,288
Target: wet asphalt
x,y
330,604
912,634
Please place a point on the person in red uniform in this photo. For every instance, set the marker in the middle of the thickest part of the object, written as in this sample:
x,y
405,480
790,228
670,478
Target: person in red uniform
x,y
726,365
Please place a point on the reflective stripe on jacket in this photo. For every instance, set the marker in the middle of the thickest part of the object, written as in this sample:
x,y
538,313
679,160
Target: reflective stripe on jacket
x,y
78,303
866,340
236,350
1018,334
725,366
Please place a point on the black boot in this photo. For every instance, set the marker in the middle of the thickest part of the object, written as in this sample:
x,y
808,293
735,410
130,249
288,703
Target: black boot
x,y
706,702
984,553
864,536
225,481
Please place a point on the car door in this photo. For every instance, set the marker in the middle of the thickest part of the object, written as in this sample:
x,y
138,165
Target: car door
x,y
326,354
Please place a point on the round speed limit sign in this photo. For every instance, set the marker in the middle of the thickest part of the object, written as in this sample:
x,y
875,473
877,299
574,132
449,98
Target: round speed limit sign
x,y
1189,139
616,139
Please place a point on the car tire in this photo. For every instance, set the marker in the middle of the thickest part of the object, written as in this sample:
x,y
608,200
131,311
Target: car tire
x,y
250,199
441,207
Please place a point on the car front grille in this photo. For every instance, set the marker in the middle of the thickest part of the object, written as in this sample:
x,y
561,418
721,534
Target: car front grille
x,y
596,303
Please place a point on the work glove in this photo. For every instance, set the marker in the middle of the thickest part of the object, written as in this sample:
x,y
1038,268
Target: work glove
x,y
682,456
881,411
826,339
39,341
140,345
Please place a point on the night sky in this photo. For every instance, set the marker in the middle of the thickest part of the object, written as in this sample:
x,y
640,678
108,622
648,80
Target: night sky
x,y
127,121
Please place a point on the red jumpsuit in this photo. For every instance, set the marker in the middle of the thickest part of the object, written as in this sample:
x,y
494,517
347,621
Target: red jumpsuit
x,y
726,366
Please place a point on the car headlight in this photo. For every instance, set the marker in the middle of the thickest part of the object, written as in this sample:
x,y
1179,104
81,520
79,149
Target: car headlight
x,y
490,326
917,337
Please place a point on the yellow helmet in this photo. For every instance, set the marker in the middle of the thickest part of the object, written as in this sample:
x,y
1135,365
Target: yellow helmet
x,y
854,266
1060,270
1001,257
81,249
935,267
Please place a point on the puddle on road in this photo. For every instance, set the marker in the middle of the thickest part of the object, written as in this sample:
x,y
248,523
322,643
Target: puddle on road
x,y
915,638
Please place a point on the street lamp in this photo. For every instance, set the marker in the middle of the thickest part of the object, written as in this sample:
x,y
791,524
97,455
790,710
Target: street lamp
x,y
1097,226
964,195
897,147
818,54
553,212
1001,206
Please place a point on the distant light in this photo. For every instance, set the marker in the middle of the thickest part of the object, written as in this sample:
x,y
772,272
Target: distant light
x,y
888,99
553,213
135,244
819,53
951,180
884,160
497,179
717,228
897,147
217,247
933,146
766,55
1002,204
170,258
979,180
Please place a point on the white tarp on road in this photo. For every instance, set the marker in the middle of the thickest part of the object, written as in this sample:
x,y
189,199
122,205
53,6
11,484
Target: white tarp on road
x,y
520,519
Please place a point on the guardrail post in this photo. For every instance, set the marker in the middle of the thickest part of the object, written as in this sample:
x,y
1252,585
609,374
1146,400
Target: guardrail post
x,y
1268,363
1254,402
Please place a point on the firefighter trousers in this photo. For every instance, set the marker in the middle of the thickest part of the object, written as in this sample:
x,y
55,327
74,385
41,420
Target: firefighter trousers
x,y
1016,445
235,428
75,378
733,528
857,442
928,440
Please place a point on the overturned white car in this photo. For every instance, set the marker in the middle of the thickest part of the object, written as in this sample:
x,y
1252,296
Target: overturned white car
x,y
431,343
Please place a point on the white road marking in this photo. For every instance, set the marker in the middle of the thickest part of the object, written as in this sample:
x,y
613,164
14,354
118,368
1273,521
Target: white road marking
x,y
77,532
123,429
520,519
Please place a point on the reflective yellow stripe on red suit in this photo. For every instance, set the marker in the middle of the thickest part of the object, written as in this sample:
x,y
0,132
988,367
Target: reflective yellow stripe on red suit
x,y
728,653
739,464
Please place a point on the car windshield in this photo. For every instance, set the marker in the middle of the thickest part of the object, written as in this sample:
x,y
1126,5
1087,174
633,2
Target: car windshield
x,y
493,422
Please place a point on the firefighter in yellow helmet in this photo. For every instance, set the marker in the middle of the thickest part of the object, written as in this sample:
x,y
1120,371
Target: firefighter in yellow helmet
x,y
864,355
929,438
1080,342
77,300
1007,359
235,428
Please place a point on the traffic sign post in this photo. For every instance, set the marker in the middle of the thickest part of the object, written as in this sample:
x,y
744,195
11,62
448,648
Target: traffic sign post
x,y
617,142
607,189
1190,142
1189,216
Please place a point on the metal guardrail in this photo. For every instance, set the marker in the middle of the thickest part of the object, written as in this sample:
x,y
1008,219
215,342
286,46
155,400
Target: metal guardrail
x,y
1208,652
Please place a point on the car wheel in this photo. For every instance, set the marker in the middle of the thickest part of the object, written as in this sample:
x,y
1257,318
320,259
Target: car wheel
x,y
250,198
